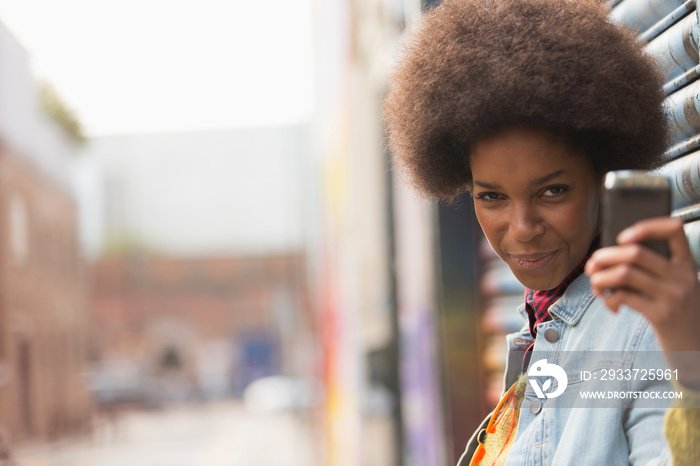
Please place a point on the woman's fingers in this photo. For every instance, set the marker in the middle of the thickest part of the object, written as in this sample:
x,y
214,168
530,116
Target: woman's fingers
x,y
663,289
630,254
662,228
614,299
628,277
665,302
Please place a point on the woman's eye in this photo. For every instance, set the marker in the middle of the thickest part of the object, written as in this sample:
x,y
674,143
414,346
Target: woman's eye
x,y
488,196
554,191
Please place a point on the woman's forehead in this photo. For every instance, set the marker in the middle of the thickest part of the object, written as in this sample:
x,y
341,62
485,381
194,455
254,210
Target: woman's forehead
x,y
525,159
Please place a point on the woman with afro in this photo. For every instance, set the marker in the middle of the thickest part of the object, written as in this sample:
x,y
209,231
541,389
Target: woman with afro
x,y
525,104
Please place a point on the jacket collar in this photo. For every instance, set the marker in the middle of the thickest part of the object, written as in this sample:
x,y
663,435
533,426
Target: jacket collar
x,y
575,302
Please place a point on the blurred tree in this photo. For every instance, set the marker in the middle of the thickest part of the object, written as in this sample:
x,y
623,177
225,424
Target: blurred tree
x,y
120,244
55,108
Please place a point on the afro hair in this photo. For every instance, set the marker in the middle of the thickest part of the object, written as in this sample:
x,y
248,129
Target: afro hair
x,y
472,68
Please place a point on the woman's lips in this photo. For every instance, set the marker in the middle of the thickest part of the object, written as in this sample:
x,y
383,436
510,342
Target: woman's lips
x,y
534,261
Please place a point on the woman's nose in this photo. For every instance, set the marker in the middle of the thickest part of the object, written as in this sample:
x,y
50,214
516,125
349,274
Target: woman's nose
x,y
525,224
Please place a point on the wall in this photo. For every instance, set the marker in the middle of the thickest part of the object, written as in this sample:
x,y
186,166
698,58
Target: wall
x,y
44,324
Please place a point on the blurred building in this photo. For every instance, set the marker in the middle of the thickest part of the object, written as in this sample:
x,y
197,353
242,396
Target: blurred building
x,y
218,322
393,276
198,275
43,309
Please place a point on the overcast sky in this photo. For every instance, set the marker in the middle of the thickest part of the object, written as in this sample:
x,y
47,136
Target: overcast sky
x,y
163,66
130,66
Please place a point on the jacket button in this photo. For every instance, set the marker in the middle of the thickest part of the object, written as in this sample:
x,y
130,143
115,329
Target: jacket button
x,y
535,406
551,334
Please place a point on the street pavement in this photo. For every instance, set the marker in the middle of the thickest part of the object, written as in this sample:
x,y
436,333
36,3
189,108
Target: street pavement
x,y
212,434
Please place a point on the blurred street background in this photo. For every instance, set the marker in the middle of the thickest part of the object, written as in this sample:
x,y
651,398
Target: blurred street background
x,y
216,434
205,257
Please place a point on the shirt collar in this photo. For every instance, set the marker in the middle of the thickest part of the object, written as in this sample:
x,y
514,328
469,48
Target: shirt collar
x,y
573,303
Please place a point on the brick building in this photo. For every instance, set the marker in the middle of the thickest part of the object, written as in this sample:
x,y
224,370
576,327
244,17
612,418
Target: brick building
x,y
43,323
43,314
249,313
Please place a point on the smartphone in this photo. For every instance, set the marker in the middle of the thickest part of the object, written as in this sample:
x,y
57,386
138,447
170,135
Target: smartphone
x,y
630,196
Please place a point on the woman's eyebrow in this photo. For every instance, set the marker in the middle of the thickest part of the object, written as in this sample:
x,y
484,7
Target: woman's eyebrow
x,y
547,178
486,185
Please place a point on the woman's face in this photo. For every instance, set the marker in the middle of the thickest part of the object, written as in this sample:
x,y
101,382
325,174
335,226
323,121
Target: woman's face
x,y
537,202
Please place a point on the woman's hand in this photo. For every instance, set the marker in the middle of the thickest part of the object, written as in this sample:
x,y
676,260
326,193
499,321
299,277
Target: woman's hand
x,y
665,291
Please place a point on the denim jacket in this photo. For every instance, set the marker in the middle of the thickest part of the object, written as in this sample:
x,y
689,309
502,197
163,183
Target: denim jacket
x,y
558,431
